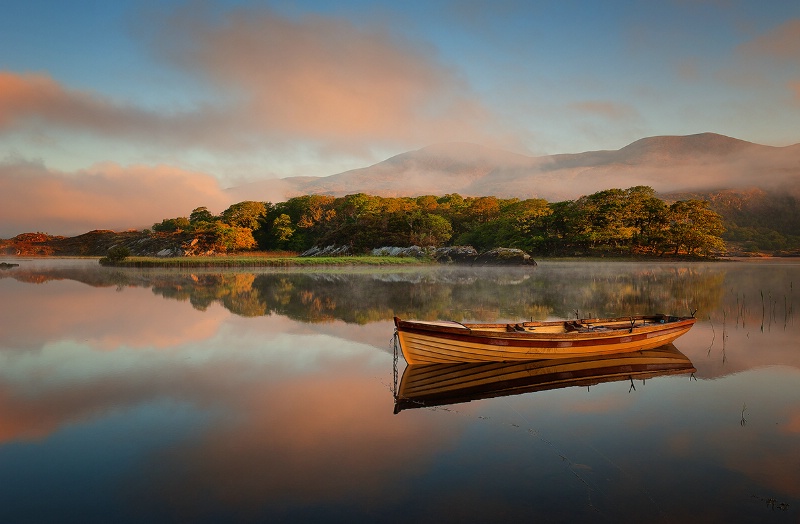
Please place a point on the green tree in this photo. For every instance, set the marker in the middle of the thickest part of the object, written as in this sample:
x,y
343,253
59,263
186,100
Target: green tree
x,y
430,230
169,225
245,214
283,227
647,214
201,216
694,228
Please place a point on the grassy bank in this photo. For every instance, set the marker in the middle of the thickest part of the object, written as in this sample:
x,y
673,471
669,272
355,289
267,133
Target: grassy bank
x,y
247,261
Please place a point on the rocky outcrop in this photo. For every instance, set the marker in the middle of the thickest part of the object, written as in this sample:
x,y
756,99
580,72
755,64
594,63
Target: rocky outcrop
x,y
413,251
328,251
503,256
462,255
455,255
97,243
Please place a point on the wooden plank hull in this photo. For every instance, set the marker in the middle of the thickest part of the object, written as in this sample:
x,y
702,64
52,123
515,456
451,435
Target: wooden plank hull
x,y
449,342
425,385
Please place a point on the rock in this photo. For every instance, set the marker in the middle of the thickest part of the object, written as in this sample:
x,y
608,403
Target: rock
x,y
7,265
328,251
462,255
503,256
455,255
413,252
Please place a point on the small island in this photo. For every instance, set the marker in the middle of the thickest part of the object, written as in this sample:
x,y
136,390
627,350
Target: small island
x,y
313,230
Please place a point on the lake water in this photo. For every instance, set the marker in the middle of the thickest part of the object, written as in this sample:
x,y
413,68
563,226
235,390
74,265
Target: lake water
x,y
206,396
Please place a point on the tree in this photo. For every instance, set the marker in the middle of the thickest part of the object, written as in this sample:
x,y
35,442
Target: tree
x,y
244,214
427,203
201,215
283,228
431,230
232,238
601,220
484,209
648,215
169,225
694,227
118,253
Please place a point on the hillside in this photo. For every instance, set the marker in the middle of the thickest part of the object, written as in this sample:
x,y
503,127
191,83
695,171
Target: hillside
x,y
755,220
695,163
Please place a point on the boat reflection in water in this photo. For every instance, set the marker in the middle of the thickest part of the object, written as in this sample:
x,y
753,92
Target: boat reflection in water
x,y
426,385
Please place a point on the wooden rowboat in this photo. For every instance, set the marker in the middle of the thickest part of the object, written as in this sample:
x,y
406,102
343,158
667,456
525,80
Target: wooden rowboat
x,y
447,342
426,385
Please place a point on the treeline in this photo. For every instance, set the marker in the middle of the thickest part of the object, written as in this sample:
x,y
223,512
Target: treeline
x,y
759,221
629,221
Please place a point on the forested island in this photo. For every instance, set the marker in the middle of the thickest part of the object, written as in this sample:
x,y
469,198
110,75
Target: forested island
x,y
633,222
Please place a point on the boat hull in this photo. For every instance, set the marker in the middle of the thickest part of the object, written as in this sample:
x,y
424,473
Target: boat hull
x,y
449,342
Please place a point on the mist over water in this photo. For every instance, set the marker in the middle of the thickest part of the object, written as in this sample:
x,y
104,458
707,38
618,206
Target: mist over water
x,y
131,395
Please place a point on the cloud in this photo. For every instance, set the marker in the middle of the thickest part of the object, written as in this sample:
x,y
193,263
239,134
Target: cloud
x,y
325,80
35,101
781,44
270,84
605,109
105,196
779,47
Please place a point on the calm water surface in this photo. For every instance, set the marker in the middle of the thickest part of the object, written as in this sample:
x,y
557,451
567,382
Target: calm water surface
x,y
153,396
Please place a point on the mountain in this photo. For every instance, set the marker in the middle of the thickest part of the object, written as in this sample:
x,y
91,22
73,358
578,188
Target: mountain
x,y
702,162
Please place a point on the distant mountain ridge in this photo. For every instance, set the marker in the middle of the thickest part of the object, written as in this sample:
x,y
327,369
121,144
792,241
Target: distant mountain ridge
x,y
701,162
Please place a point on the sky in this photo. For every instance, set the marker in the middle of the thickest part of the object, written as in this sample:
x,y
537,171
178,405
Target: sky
x,y
117,114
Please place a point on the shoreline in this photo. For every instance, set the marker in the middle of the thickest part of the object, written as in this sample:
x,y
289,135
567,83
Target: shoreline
x,y
261,261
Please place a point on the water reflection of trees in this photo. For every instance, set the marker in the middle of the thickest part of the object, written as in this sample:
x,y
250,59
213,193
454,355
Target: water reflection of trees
x,y
553,290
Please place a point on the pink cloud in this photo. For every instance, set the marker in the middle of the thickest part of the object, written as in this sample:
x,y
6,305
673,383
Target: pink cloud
x,y
105,196
326,80
781,44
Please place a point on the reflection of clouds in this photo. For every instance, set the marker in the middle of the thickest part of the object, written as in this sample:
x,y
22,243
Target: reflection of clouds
x,y
102,317
300,417
792,426
329,436
299,414
764,449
